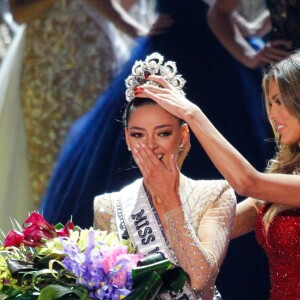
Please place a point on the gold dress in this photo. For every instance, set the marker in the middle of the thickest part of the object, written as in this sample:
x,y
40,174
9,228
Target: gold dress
x,y
68,60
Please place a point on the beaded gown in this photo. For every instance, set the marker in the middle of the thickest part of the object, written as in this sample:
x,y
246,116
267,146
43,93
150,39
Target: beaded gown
x,y
67,63
209,207
281,243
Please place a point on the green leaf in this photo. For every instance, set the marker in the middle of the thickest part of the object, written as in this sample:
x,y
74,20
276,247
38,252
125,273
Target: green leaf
x,y
18,294
139,273
174,279
16,225
150,259
42,261
56,292
59,226
148,289
17,268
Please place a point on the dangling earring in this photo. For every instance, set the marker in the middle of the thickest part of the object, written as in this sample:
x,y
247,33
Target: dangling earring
x,y
129,149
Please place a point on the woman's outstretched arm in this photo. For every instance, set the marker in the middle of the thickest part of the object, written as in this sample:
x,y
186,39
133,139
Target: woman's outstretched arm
x,y
241,175
245,217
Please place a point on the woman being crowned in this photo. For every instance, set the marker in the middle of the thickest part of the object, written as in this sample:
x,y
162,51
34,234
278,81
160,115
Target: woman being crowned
x,y
187,220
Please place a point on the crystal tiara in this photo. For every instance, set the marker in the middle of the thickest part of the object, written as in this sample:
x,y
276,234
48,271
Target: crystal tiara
x,y
153,65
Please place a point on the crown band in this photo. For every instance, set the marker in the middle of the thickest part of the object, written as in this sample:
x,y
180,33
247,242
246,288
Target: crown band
x,y
153,65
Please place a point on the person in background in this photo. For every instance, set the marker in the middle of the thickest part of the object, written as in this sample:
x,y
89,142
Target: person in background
x,y
280,23
69,58
273,206
189,221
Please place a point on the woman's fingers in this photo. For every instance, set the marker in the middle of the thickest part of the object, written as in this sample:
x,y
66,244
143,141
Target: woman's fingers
x,y
154,93
147,161
160,179
167,96
281,43
275,51
160,80
149,156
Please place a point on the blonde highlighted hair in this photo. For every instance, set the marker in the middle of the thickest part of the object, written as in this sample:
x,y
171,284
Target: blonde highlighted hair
x,y
286,74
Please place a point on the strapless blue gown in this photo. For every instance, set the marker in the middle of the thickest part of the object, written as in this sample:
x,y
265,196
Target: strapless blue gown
x,y
95,158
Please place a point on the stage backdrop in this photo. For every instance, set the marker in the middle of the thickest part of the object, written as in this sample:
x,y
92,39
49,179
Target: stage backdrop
x,y
15,194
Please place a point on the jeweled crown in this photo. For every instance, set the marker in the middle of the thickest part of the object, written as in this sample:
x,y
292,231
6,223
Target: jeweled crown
x,y
153,65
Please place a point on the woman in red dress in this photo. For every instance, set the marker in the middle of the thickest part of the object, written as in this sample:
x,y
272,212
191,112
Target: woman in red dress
x,y
273,206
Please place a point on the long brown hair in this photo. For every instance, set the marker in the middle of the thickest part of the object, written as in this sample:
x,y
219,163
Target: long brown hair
x,y
286,74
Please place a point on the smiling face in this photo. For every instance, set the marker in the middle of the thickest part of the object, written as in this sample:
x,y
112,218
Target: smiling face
x,y
287,125
152,125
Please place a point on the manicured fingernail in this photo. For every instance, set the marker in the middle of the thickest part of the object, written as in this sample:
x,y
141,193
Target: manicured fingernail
x,y
146,76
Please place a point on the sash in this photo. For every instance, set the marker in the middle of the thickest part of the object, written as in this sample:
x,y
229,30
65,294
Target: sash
x,y
146,232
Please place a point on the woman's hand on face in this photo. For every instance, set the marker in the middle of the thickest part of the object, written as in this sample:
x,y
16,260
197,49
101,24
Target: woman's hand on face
x,y
167,96
161,180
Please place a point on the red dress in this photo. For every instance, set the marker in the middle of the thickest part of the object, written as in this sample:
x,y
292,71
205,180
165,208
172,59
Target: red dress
x,y
282,246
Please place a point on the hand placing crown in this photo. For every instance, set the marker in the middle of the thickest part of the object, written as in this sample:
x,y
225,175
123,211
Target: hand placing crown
x,y
153,65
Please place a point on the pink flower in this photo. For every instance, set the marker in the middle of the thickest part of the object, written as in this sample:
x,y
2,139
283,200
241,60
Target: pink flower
x,y
37,230
13,238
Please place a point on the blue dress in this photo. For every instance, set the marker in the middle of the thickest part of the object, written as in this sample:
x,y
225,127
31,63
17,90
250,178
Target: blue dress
x,y
95,159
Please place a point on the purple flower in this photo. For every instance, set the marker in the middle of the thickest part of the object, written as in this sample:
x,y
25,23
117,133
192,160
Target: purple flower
x,y
104,270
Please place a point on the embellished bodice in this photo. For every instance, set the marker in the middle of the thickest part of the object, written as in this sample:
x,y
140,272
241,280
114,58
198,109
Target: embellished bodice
x,y
282,245
285,17
208,207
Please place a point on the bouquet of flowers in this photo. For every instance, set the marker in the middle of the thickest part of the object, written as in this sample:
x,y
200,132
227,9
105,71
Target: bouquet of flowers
x,y
42,261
